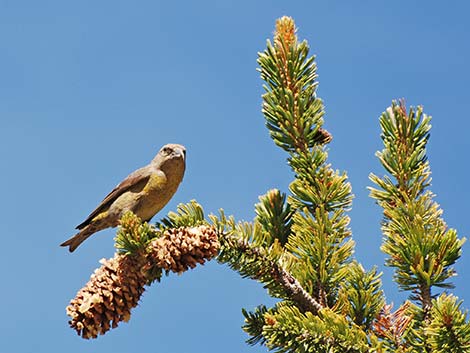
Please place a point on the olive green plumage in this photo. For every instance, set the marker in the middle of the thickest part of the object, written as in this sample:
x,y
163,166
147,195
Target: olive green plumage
x,y
144,192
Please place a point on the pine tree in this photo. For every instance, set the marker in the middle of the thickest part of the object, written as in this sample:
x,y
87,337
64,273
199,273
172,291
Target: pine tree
x,y
299,245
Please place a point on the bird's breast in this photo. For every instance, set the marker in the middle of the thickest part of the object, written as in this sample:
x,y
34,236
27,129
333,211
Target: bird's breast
x,y
155,195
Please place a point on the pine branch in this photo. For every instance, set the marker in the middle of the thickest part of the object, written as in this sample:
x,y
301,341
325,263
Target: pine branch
x,y
449,330
255,262
294,290
287,329
254,324
420,245
318,237
361,297
274,214
292,110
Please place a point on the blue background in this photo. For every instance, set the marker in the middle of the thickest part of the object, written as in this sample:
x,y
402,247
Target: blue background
x,y
90,90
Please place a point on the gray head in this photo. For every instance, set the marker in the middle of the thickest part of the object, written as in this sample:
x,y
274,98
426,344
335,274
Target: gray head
x,y
170,155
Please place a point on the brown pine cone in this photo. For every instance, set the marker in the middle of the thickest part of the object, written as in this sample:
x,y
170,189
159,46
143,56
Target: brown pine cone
x,y
108,297
182,248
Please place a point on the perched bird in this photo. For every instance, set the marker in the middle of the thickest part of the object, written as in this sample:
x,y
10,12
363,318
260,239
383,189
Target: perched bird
x,y
144,192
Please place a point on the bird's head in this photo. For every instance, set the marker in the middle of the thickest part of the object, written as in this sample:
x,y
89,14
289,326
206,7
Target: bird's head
x,y
171,156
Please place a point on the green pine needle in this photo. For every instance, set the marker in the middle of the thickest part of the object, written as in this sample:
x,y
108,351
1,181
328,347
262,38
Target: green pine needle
x,y
187,215
275,216
420,246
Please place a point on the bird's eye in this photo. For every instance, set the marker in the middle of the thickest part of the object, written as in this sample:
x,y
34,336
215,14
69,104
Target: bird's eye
x,y
167,150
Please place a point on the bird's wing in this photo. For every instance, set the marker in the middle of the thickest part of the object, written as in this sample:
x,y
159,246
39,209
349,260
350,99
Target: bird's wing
x,y
136,181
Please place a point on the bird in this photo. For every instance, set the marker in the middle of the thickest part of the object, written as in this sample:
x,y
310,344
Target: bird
x,y
144,192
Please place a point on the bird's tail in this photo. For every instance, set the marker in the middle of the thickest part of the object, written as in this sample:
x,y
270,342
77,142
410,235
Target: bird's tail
x,y
78,238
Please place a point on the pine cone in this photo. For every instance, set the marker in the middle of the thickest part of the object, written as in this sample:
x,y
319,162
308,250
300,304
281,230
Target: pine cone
x,y
108,297
182,248
115,288
323,137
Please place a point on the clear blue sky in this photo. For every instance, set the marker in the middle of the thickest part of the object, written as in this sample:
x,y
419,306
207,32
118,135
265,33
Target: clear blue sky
x,y
90,90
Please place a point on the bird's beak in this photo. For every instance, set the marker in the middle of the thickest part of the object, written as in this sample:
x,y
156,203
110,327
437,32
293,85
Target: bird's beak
x,y
180,152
